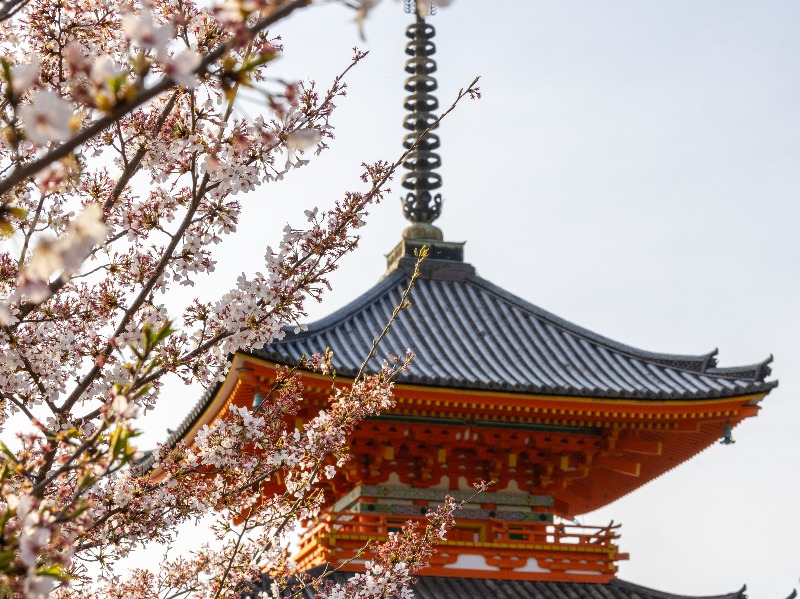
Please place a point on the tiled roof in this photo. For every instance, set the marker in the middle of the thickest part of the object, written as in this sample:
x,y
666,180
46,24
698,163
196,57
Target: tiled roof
x,y
441,587
436,587
470,334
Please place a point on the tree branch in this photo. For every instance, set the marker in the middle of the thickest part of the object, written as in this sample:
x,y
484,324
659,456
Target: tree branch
x,y
25,171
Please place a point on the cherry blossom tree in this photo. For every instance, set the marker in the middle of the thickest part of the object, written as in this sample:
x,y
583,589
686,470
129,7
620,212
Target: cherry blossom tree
x,y
122,165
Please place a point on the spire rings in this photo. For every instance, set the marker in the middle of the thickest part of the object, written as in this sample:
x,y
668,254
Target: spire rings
x,y
420,47
421,84
421,102
419,121
428,143
422,159
420,205
420,64
418,32
422,181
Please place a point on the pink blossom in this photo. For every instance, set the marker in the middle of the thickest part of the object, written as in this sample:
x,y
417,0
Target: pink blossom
x,y
234,10
302,139
104,70
47,118
104,233
46,260
68,252
122,408
142,28
24,75
183,67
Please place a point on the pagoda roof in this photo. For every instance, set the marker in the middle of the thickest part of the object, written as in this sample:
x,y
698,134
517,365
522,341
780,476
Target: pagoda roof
x,y
451,587
468,333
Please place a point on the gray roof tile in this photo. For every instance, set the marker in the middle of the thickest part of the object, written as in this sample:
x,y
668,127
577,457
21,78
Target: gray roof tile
x,y
443,587
468,333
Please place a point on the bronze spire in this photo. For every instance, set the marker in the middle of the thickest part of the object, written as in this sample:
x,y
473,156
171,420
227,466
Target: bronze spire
x,y
420,205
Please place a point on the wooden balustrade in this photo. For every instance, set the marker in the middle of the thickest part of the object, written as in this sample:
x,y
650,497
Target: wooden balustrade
x,y
491,530
560,550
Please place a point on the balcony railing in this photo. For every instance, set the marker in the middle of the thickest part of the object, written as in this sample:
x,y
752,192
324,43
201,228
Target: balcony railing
x,y
562,551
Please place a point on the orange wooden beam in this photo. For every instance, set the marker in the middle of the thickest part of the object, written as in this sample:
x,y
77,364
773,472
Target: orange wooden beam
x,y
640,446
618,465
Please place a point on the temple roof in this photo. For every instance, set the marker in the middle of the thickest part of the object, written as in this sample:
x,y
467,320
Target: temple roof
x,y
467,333
470,334
445,587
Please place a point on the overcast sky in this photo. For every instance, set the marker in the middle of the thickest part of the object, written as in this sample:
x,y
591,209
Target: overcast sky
x,y
633,167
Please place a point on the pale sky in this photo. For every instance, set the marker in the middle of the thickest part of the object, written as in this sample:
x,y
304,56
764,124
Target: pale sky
x,y
633,167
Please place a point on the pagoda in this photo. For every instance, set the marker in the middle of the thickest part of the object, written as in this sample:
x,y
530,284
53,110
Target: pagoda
x,y
562,420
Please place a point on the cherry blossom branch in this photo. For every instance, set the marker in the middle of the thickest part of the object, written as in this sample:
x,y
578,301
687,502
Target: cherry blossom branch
x,y
31,229
24,172
37,380
132,167
307,487
46,477
377,186
128,172
85,381
307,119
228,567
19,405
167,256
11,7
401,305
67,492
39,488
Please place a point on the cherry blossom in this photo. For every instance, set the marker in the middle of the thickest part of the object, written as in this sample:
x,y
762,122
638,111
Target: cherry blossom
x,y
47,118
23,76
303,139
182,68
125,163
68,253
142,28
104,70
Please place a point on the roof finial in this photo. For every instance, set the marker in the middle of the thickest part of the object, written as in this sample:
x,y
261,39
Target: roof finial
x,y
421,8
420,205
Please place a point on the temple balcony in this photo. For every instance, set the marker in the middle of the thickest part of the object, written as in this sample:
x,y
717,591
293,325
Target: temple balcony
x,y
473,548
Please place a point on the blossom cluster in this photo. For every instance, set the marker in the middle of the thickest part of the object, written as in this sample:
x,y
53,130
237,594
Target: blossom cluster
x,y
123,164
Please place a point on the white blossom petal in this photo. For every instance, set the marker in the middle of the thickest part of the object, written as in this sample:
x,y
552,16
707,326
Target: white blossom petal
x,y
23,76
45,260
182,68
302,139
143,29
104,69
47,119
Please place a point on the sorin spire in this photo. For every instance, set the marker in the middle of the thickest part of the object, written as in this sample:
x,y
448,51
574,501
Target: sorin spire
x,y
420,205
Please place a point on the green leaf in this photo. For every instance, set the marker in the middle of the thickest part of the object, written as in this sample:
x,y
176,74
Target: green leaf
x,y
51,570
165,331
17,212
6,559
113,441
9,454
143,390
5,66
